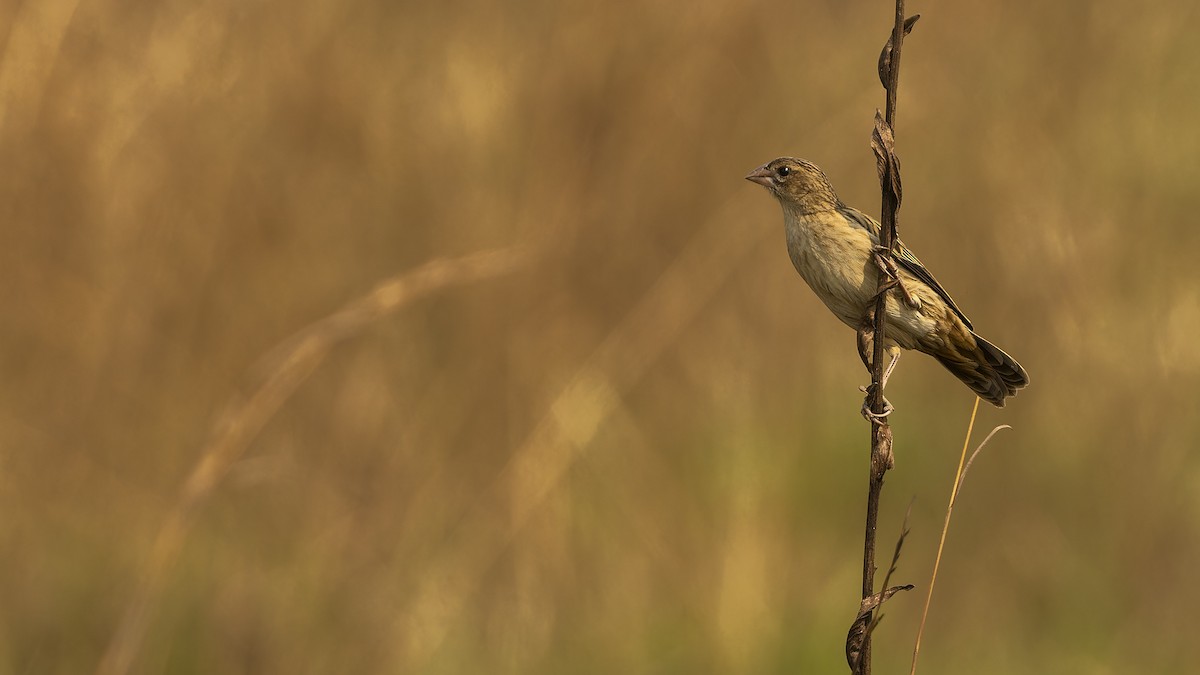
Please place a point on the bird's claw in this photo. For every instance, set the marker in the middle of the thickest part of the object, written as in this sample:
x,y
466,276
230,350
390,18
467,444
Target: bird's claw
x,y
883,259
871,415
888,408
888,267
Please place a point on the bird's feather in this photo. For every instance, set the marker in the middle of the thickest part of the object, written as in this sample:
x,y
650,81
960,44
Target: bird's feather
x,y
904,257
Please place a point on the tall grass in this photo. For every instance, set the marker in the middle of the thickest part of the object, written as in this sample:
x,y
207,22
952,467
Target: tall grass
x,y
640,453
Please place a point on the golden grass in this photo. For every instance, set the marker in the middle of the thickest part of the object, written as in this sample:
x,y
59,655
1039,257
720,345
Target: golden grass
x,y
641,453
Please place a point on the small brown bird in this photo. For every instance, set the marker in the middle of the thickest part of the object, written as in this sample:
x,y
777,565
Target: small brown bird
x,y
836,250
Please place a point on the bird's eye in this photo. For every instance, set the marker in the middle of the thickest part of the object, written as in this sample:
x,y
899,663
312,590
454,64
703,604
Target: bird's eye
x,y
783,171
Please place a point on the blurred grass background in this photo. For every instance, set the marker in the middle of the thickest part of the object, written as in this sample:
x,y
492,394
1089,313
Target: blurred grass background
x,y
641,453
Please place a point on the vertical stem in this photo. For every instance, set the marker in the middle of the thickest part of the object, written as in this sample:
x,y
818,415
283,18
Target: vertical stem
x,y
880,432
937,560
894,72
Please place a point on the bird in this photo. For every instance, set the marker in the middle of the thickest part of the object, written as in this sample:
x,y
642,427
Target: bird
x,y
836,249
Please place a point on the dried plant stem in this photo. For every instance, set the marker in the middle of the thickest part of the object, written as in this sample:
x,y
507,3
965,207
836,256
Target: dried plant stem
x,y
290,365
937,560
881,435
960,476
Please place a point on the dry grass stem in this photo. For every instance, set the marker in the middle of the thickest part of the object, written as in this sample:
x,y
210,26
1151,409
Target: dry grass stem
x,y
937,560
244,416
964,464
967,467
868,619
904,532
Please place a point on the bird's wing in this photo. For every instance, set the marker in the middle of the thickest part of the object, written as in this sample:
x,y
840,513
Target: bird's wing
x,y
904,258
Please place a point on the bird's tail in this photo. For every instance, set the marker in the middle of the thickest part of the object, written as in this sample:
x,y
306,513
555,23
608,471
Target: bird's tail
x,y
989,372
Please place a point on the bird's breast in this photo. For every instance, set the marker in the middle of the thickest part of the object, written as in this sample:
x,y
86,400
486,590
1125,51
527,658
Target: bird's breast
x,y
834,257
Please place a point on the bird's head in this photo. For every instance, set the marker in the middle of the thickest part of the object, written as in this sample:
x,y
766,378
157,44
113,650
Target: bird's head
x,y
797,184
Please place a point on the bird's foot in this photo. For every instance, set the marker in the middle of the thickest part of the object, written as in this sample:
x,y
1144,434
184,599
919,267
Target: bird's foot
x,y
871,415
869,390
883,259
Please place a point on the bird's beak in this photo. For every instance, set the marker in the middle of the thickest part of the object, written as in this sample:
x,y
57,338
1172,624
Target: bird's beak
x,y
762,176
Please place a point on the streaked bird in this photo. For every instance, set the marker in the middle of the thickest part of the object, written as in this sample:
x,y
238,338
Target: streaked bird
x,y
836,250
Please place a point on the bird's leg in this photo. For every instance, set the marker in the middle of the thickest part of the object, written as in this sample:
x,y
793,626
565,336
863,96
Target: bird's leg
x,y
888,408
866,340
887,265
887,372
